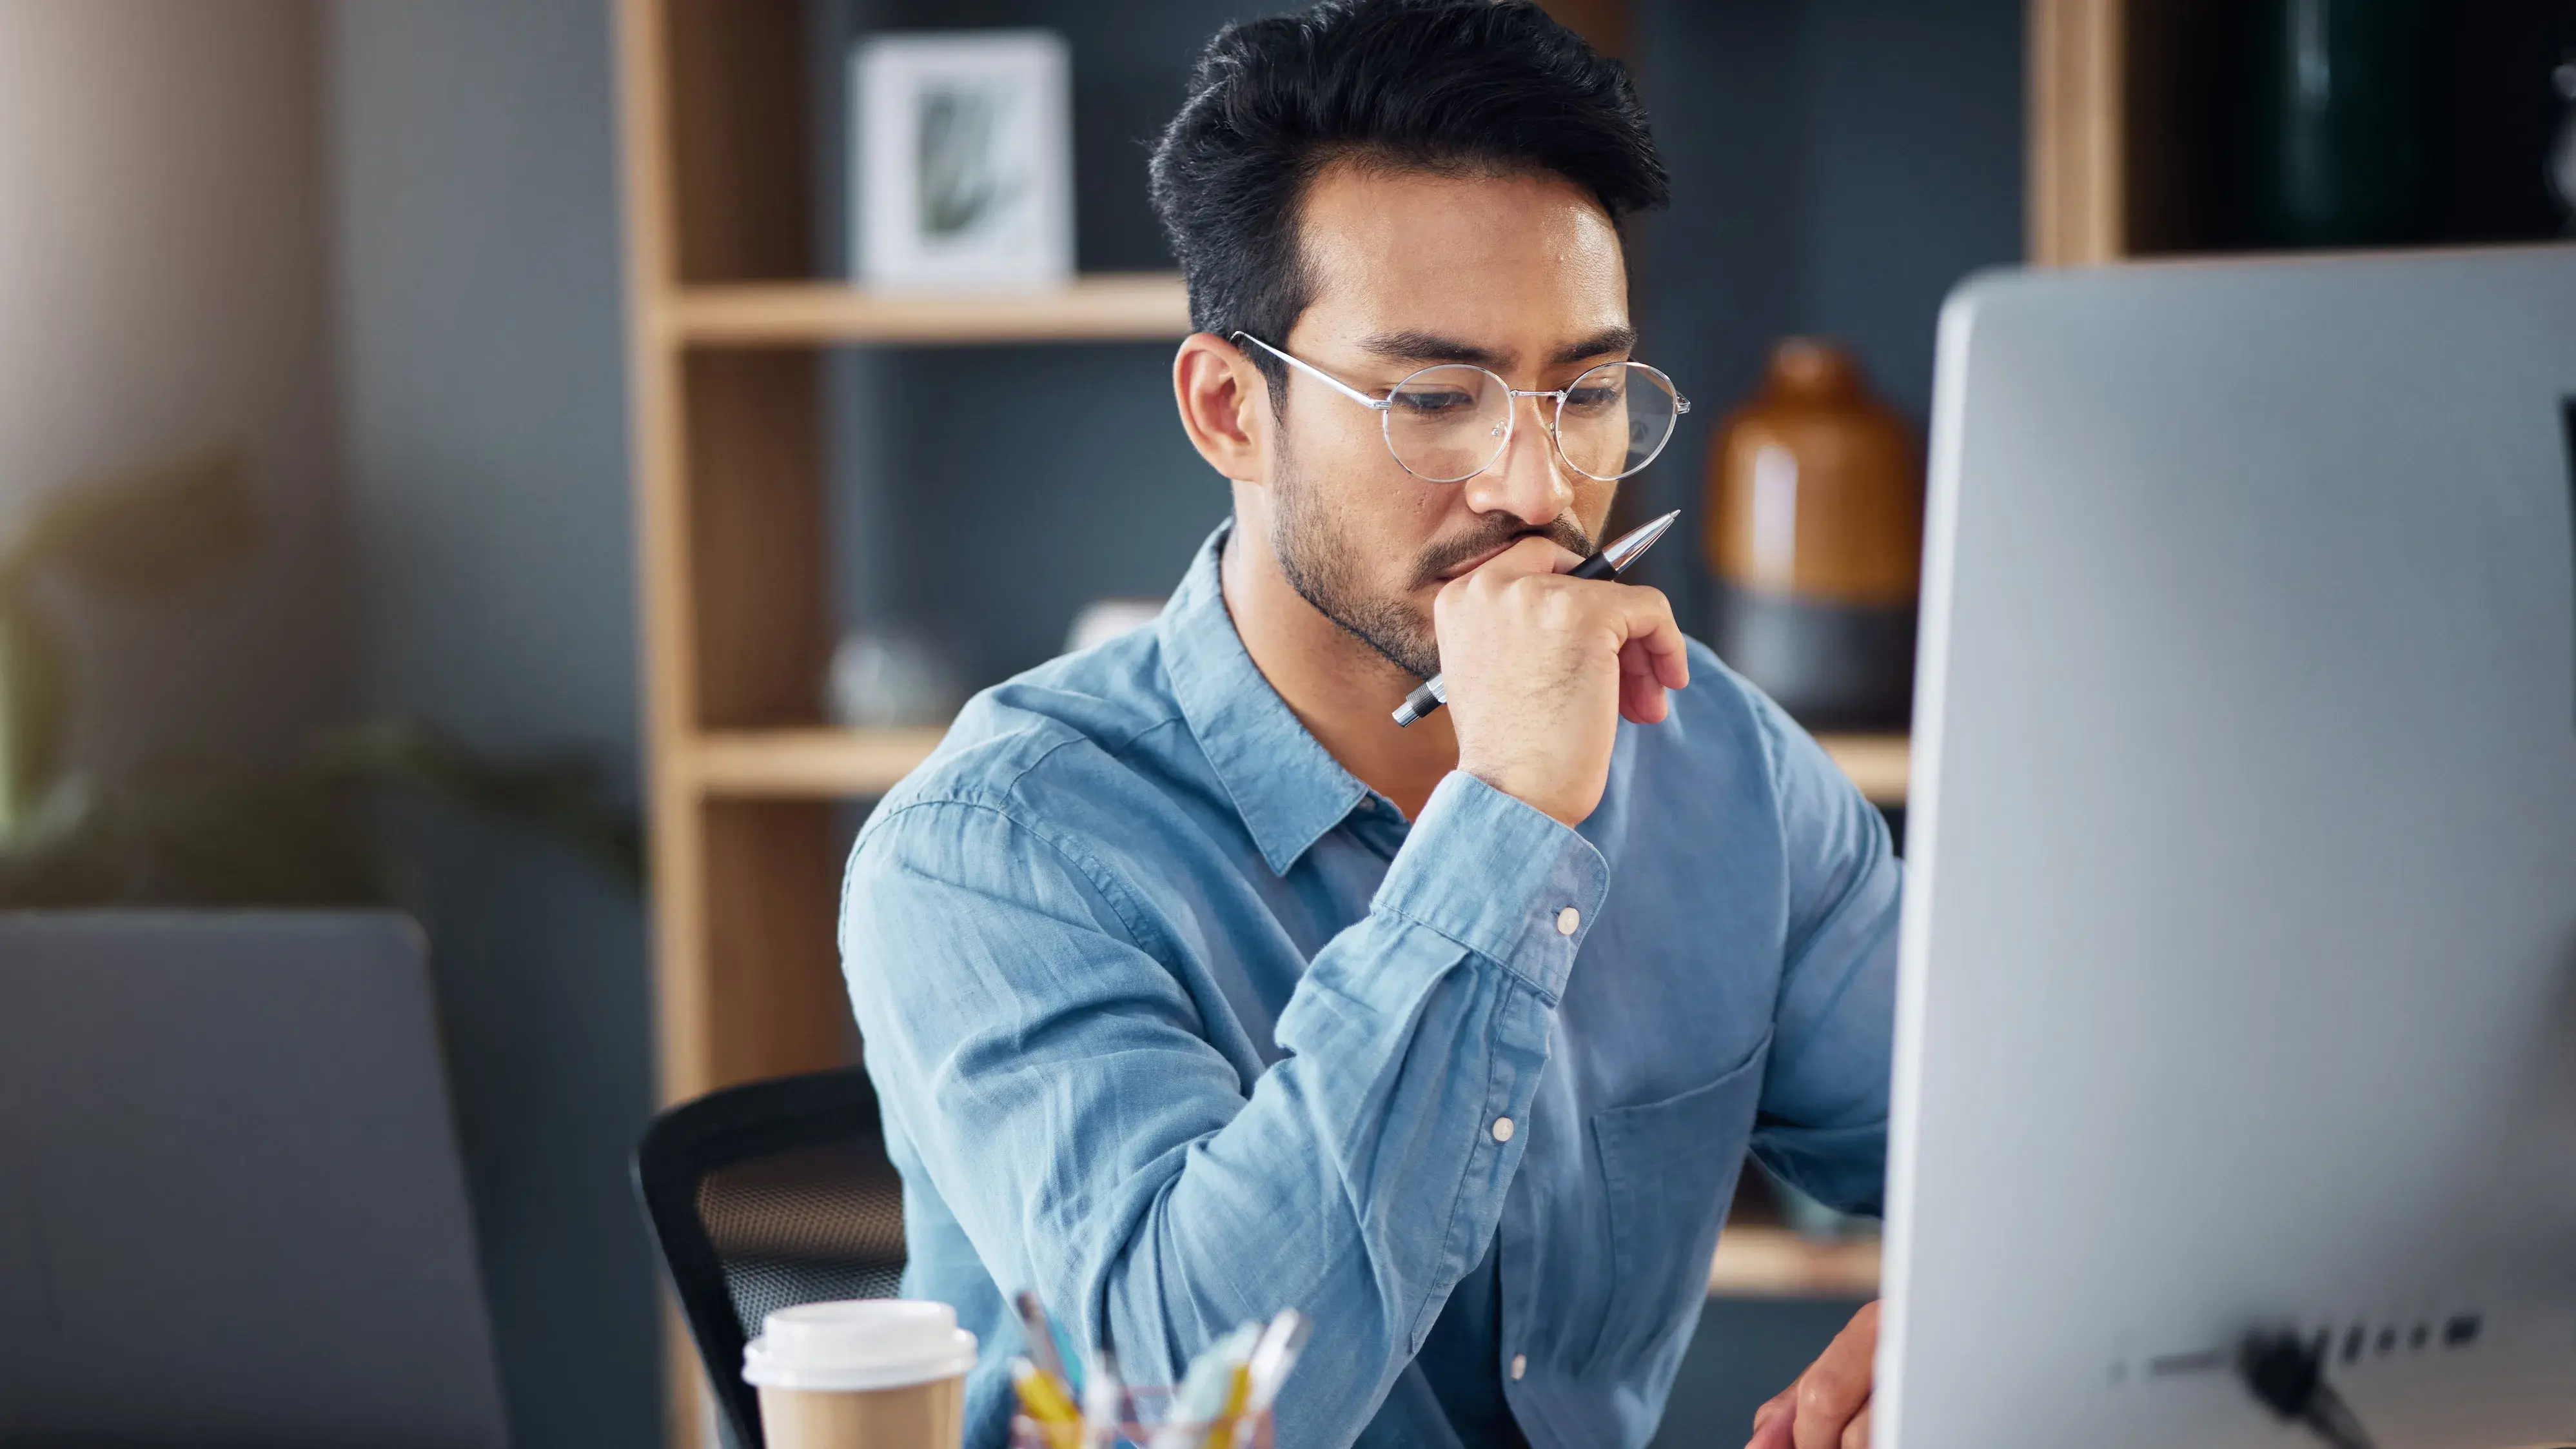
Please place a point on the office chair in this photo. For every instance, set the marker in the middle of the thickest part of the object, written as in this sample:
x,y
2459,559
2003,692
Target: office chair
x,y
764,1196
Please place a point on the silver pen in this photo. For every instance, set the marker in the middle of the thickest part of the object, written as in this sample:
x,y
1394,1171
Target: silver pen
x,y
1624,550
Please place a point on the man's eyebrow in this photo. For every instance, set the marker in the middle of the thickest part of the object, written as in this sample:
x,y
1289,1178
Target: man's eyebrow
x,y
1430,347
1600,344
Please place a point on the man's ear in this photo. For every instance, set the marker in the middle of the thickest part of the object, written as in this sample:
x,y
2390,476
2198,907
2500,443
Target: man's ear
x,y
1225,406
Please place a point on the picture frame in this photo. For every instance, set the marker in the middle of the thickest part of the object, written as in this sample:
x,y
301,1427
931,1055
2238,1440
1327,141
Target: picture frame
x,y
962,156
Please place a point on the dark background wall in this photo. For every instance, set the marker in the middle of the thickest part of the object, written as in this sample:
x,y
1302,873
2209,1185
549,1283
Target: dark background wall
x,y
473,161
1837,166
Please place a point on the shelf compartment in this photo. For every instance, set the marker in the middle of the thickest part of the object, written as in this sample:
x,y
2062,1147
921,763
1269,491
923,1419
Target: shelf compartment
x,y
860,764
1104,307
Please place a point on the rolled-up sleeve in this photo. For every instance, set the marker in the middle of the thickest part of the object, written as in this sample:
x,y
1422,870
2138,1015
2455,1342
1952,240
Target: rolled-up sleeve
x,y
1027,1029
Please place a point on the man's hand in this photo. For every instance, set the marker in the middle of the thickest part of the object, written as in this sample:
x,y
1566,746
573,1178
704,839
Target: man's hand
x,y
1828,1407
1539,668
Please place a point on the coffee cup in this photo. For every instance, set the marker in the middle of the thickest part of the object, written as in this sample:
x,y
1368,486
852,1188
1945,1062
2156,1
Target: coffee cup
x,y
877,1373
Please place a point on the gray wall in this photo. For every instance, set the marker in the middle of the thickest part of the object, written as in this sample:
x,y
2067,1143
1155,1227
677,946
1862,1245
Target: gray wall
x,y
473,166
1837,166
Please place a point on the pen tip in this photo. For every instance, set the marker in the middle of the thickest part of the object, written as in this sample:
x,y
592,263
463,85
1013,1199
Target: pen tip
x,y
1624,550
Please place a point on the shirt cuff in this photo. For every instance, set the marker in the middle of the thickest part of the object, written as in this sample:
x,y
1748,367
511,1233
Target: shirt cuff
x,y
1499,877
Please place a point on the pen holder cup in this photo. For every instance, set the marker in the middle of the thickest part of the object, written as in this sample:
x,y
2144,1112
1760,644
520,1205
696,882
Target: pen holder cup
x,y
1149,1408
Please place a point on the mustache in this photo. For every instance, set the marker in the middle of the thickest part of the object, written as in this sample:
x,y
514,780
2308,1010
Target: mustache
x,y
1563,531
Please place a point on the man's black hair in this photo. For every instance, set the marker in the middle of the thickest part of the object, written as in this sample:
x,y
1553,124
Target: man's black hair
x,y
1463,87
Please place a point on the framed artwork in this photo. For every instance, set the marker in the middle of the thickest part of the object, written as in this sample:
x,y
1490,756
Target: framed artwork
x,y
963,160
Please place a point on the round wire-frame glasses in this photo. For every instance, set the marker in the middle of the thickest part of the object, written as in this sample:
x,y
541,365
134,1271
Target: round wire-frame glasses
x,y
1450,422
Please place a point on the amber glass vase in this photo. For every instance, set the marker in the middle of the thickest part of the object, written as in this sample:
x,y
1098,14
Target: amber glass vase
x,y
1815,533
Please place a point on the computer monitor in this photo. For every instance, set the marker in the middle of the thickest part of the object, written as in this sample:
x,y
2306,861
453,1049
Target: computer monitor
x,y
230,1206
2238,982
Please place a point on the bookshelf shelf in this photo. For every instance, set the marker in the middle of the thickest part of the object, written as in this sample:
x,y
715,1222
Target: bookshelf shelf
x,y
1881,765
808,764
1760,1261
838,764
1106,307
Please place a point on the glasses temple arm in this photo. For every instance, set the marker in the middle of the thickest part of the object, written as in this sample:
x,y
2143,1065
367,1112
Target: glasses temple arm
x,y
1317,373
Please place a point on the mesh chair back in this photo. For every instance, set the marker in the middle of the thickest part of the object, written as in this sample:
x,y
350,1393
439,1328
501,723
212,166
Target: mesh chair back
x,y
765,1196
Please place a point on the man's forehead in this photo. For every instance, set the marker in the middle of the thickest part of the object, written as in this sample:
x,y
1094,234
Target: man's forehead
x,y
1408,265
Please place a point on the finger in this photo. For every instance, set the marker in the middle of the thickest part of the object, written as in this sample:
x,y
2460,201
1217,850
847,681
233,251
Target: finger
x,y
1641,700
1856,1436
1645,618
1641,694
1771,1421
1833,1390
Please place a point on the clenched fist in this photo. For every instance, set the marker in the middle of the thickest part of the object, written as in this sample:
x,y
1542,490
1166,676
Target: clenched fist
x,y
1540,668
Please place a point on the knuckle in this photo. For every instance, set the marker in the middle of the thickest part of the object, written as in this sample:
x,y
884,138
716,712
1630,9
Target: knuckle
x,y
1821,1392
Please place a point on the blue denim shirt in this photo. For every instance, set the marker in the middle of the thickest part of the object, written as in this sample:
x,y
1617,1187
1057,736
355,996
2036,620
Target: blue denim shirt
x,y
1178,1023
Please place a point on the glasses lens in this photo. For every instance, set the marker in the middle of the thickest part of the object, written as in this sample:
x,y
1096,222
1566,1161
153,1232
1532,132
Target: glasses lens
x,y
1446,424
1615,419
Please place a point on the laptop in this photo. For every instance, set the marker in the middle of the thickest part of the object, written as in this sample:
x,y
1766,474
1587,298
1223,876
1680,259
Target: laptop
x,y
231,1211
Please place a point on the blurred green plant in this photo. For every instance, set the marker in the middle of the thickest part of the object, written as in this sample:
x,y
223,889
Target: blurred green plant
x,y
137,535
197,831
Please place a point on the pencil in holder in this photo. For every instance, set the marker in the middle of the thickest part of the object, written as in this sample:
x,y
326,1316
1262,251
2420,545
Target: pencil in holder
x,y
1148,1409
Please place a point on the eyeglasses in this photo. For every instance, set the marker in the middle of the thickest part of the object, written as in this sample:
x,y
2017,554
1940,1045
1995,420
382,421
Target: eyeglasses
x,y
1447,424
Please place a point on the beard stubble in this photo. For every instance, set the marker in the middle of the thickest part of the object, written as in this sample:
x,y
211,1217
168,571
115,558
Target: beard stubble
x,y
1320,563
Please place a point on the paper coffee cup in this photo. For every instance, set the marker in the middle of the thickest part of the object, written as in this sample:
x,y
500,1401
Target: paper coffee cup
x,y
876,1373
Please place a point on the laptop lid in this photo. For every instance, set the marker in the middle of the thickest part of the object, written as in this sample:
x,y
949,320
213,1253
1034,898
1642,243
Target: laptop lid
x,y
231,1210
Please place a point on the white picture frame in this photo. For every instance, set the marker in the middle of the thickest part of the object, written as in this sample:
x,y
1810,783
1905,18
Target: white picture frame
x,y
962,161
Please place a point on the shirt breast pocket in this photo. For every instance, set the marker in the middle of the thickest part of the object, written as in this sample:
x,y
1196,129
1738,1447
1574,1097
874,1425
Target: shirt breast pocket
x,y
1669,1168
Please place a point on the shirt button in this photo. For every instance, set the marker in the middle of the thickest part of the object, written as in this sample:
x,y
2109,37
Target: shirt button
x,y
1520,1366
1568,921
1502,1129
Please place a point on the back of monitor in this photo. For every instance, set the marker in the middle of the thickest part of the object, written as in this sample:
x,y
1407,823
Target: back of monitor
x,y
2239,967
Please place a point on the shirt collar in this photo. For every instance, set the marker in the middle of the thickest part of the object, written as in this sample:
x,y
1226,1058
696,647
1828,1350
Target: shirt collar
x,y
1286,786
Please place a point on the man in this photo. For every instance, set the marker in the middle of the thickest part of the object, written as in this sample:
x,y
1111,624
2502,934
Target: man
x,y
1195,988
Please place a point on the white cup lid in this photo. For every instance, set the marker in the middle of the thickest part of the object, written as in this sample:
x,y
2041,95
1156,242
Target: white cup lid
x,y
875,1343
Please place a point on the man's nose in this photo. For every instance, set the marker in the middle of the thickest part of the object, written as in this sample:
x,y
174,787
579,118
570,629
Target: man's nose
x,y
1529,480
